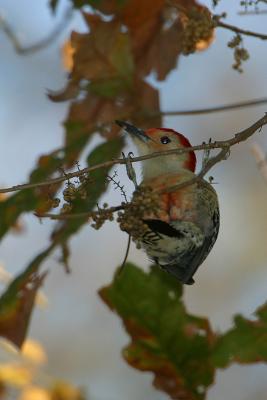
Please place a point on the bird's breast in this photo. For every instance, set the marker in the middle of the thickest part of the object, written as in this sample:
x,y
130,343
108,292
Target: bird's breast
x,y
175,205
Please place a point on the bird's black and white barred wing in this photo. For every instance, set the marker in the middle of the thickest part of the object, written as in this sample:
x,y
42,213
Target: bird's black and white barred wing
x,y
195,255
180,247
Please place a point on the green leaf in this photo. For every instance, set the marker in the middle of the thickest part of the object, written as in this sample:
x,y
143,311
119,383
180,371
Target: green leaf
x,y
16,303
109,88
104,152
121,56
29,199
76,138
166,340
245,343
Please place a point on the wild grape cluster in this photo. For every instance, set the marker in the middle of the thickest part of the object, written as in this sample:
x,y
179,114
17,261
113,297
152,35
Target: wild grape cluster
x,y
145,203
198,26
240,53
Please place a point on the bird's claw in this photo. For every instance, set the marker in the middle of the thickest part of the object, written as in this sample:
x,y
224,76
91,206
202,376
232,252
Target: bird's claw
x,y
129,168
206,155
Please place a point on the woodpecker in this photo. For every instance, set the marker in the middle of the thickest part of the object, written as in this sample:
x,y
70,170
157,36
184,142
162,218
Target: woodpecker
x,y
183,231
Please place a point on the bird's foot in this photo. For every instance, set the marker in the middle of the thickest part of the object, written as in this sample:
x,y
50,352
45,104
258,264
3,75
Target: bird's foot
x,y
206,155
129,168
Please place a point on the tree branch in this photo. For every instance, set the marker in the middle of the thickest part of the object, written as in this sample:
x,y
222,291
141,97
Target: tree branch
x,y
88,214
49,39
239,137
209,110
233,28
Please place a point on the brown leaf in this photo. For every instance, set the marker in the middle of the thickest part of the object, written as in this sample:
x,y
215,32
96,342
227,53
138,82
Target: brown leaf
x,y
91,113
132,12
157,41
70,91
102,53
146,102
108,6
138,12
16,306
167,44
143,38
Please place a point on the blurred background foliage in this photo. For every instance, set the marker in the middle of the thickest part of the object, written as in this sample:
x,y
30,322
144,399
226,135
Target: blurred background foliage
x,y
114,71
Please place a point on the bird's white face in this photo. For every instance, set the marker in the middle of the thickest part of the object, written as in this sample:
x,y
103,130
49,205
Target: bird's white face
x,y
157,140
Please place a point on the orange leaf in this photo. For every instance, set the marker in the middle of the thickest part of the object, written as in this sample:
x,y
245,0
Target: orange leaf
x,y
67,56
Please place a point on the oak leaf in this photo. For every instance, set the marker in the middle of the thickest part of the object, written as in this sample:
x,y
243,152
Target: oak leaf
x,y
245,342
165,340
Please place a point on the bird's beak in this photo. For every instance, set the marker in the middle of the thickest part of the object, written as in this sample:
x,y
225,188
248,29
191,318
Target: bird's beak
x,y
135,132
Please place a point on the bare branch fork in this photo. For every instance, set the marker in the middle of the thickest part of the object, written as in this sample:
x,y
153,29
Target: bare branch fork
x,y
39,45
224,145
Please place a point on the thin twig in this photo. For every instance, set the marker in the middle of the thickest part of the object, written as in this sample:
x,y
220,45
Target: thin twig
x,y
126,256
118,185
255,12
239,137
233,28
209,110
49,39
87,214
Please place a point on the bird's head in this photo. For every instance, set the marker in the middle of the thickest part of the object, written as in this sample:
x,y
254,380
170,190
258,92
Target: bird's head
x,y
161,139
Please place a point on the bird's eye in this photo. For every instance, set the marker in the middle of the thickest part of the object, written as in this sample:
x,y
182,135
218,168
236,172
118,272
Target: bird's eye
x,y
165,140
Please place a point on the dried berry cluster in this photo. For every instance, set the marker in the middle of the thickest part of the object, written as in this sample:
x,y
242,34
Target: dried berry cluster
x,y
144,204
240,53
254,3
198,26
101,216
73,192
